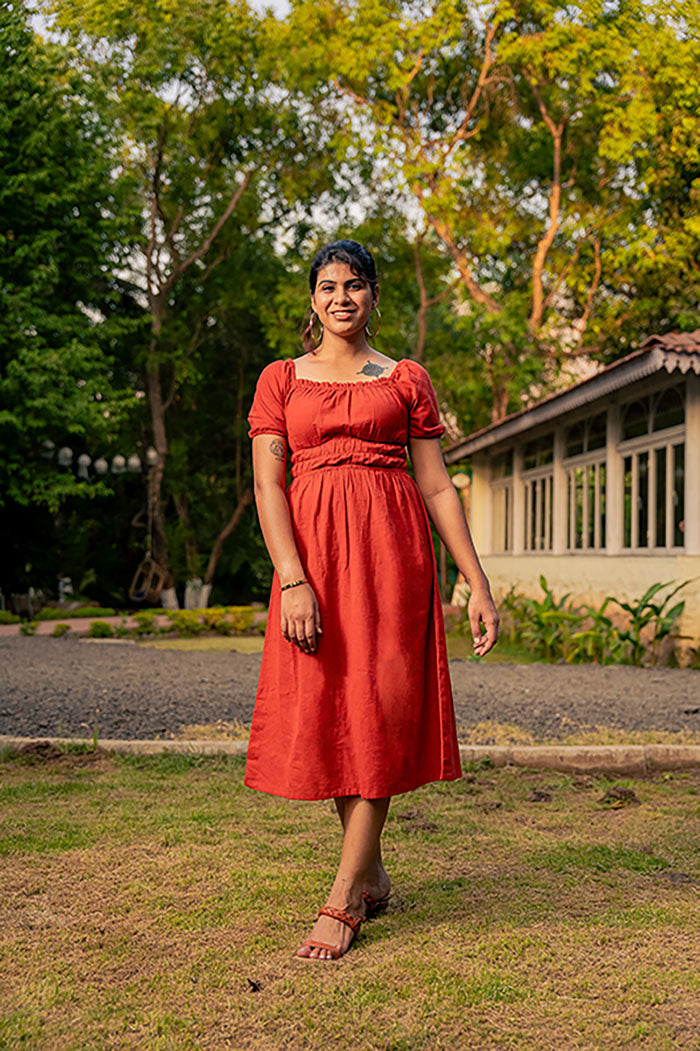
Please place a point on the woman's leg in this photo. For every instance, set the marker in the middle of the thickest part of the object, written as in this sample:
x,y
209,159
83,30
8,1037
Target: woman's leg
x,y
363,820
377,882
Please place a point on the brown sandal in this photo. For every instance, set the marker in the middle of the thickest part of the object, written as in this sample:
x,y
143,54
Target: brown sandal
x,y
353,922
375,905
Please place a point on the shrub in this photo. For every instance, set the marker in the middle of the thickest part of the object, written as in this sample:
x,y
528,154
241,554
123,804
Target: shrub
x,y
145,621
100,629
241,617
651,619
186,622
51,613
28,627
60,630
8,618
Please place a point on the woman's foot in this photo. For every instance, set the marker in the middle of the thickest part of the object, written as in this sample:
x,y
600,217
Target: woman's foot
x,y
377,888
335,935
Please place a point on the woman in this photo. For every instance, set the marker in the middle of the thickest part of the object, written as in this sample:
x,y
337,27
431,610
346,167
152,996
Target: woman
x,y
354,700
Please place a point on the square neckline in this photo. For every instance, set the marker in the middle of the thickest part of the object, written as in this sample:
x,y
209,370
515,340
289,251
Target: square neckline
x,y
342,383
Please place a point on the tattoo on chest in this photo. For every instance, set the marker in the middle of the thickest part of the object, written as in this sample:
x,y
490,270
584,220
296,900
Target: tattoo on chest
x,y
277,448
371,368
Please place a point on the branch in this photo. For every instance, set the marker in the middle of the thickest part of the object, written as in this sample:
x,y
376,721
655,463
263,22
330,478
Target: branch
x,y
545,243
461,133
207,243
444,233
245,499
597,270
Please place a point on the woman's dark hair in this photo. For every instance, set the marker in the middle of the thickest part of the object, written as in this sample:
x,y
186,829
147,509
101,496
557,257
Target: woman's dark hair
x,y
354,255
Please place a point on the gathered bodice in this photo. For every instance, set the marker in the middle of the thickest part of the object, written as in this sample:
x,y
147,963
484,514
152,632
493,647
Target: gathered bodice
x,y
329,424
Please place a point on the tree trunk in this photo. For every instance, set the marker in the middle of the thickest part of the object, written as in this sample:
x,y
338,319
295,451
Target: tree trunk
x,y
245,499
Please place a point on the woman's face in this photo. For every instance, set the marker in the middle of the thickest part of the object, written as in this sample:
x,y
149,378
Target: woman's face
x,y
343,300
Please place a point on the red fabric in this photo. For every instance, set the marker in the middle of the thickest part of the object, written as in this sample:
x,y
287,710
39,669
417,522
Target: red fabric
x,y
369,713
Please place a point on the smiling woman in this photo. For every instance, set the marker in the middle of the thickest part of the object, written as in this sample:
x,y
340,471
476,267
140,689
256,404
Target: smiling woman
x,y
354,701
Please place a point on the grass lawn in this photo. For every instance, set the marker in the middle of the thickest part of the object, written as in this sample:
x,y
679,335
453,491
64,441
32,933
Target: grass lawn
x,y
156,903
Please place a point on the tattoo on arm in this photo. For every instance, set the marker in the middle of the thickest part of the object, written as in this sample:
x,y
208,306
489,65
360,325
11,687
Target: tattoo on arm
x,y
278,449
371,368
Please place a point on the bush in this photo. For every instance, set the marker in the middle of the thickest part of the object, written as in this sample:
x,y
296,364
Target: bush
x,y
51,613
8,618
554,630
60,630
100,629
186,622
145,621
28,627
241,617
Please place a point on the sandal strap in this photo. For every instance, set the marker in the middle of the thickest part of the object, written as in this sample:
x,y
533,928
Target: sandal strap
x,y
375,903
353,922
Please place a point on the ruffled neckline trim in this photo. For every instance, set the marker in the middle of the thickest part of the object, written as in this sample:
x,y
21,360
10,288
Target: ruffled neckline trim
x,y
305,381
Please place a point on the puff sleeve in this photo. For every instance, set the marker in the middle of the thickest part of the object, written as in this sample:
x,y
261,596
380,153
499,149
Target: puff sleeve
x,y
423,412
267,413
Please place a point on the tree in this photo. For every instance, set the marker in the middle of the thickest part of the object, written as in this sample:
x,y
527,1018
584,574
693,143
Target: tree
x,y
525,133
59,382
205,136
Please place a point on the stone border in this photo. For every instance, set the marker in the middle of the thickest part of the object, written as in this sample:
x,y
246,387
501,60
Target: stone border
x,y
636,760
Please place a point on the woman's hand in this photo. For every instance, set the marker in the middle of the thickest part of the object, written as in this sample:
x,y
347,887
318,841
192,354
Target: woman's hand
x,y
482,610
301,617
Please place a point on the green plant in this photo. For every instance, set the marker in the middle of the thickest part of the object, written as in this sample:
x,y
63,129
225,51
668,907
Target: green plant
x,y
599,641
241,617
60,630
186,622
548,624
28,627
51,613
100,629
650,622
8,618
145,621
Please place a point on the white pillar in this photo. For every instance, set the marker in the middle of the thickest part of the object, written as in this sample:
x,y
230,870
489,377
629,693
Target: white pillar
x,y
692,466
481,497
518,501
558,494
614,483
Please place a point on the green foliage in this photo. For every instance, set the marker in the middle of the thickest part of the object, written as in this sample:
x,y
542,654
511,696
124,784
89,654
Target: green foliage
x,y
60,630
226,620
8,618
186,622
529,137
548,624
650,622
145,621
28,627
555,630
100,629
51,613
57,242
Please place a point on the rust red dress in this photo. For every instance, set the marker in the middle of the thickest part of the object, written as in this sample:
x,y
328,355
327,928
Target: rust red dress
x,y
370,713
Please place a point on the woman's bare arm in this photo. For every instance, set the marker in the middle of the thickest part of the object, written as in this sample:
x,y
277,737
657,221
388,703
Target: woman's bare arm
x,y
447,514
300,613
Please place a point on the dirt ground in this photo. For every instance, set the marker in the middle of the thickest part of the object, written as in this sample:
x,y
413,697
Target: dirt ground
x,y
67,687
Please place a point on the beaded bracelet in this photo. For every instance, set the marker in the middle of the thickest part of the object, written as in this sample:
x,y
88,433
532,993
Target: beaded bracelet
x,y
293,583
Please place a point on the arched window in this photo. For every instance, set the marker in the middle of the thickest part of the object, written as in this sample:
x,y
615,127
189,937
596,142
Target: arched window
x,y
635,419
669,409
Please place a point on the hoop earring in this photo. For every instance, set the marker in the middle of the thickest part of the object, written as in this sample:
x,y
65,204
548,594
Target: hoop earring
x,y
371,335
314,319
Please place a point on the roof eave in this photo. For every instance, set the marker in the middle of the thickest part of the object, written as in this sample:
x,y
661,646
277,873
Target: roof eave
x,y
613,378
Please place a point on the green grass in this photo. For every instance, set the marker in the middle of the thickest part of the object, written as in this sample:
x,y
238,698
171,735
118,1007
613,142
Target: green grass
x,y
211,644
139,895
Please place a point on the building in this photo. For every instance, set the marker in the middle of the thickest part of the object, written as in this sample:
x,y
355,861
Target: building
x,y
597,487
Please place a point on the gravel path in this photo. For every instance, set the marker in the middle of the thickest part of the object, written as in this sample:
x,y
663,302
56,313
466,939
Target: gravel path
x,y
60,687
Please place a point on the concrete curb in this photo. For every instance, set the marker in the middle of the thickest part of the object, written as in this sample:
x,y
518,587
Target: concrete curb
x,y
637,760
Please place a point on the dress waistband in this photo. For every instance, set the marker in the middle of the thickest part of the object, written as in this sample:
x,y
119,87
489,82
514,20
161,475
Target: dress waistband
x,y
348,452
